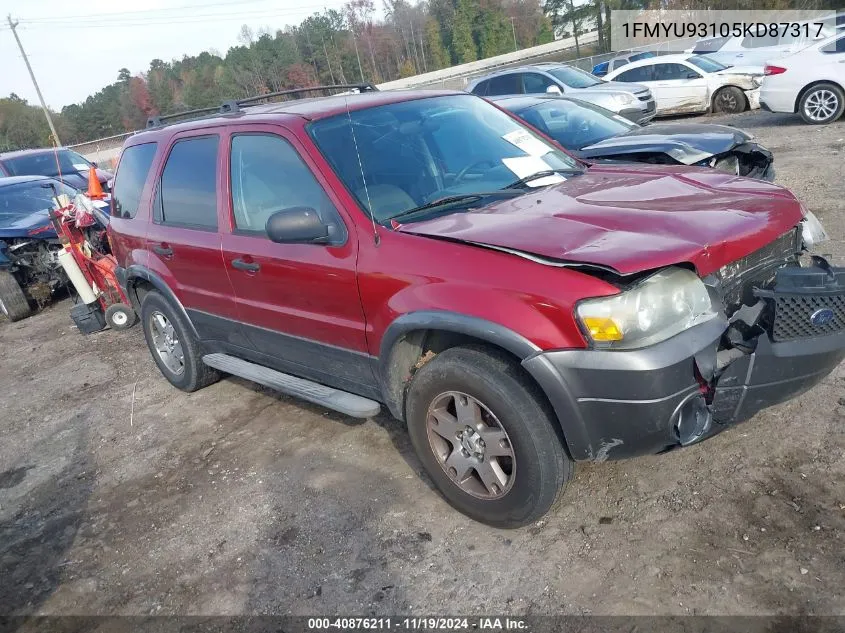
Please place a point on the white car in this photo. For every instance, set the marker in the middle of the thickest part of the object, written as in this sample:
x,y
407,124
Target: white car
x,y
757,50
692,83
810,82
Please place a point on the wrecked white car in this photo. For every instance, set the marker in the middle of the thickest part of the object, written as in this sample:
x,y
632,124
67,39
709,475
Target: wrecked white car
x,y
683,84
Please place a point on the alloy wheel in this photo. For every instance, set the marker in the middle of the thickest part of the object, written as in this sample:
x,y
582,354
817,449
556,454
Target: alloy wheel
x,y
166,343
821,105
471,445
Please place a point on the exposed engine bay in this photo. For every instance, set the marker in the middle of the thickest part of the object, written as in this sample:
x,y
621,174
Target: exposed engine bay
x,y
35,265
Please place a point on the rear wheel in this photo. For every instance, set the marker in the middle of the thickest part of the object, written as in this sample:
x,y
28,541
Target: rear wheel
x,y
13,301
173,346
823,103
729,100
486,437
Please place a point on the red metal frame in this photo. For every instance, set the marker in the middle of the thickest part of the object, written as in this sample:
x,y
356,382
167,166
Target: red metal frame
x,y
98,268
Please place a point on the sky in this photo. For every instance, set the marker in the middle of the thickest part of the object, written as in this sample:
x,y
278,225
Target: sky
x,y
77,47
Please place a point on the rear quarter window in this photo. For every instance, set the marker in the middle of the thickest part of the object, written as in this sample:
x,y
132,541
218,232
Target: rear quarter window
x,y
131,176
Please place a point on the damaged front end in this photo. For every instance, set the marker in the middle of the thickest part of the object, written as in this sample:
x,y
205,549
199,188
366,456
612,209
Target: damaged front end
x,y
778,331
748,159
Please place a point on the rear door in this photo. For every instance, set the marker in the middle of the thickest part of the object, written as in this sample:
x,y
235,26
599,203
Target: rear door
x,y
183,238
299,302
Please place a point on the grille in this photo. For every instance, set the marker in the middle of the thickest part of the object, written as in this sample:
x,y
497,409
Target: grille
x,y
644,97
757,269
793,313
650,107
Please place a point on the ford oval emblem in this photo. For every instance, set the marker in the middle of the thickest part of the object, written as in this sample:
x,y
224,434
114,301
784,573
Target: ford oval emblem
x,y
822,317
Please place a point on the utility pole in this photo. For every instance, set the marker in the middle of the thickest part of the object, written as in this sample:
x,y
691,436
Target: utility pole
x,y
12,26
513,30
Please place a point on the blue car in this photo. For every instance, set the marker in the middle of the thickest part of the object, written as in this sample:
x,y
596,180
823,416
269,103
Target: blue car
x,y
29,267
600,70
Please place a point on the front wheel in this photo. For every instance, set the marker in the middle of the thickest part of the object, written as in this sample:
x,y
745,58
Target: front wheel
x,y
823,103
729,100
13,302
486,437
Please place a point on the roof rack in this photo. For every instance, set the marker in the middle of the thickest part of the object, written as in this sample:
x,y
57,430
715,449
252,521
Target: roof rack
x,y
234,105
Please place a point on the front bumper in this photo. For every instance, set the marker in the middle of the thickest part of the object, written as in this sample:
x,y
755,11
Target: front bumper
x,y
617,404
642,113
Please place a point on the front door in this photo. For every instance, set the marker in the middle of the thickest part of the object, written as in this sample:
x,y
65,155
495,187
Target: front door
x,y
678,88
299,302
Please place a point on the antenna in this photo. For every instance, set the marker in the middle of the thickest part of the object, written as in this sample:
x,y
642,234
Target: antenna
x,y
363,177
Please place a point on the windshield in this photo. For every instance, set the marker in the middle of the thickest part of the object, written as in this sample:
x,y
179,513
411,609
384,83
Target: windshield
x,y
416,152
575,125
30,197
44,164
574,77
706,64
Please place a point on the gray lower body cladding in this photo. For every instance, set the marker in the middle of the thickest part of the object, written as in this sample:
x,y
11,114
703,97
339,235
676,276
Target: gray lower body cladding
x,y
620,404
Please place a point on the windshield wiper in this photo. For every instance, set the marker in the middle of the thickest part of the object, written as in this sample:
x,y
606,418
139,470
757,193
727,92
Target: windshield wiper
x,y
449,200
544,174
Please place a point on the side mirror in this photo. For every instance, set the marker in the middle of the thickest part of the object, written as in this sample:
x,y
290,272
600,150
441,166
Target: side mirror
x,y
554,90
298,225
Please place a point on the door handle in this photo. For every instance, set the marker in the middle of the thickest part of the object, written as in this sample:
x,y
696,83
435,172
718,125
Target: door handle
x,y
250,267
163,249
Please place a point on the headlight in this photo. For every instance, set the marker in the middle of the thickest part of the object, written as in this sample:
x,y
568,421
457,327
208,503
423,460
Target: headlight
x,y
812,231
654,310
624,99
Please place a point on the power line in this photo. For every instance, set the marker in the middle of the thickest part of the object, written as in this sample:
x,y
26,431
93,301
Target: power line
x,y
142,12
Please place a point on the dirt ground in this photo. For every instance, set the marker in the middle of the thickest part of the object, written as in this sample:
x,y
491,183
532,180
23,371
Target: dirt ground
x,y
122,495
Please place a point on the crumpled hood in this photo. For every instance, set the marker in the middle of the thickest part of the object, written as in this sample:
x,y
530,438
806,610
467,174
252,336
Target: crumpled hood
x,y
631,219
26,225
688,143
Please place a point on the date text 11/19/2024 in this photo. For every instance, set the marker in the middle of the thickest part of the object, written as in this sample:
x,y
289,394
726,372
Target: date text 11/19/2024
x,y
418,624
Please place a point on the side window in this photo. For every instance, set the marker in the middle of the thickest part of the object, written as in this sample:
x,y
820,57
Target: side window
x,y
618,63
673,72
188,189
505,85
535,83
643,73
268,175
836,46
131,175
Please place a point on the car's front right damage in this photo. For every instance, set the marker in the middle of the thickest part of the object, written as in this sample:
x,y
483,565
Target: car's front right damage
x,y
775,328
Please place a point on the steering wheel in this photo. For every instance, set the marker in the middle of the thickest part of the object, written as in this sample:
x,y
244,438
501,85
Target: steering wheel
x,y
468,169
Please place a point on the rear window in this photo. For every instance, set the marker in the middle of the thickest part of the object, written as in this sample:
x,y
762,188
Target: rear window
x,y
481,88
837,46
188,190
131,175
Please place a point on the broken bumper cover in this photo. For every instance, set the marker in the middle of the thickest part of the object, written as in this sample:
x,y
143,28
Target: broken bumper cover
x,y
618,404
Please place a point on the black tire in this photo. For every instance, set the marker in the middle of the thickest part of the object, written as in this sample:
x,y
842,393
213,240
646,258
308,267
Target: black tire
x,y
194,373
811,109
541,467
729,100
13,302
120,316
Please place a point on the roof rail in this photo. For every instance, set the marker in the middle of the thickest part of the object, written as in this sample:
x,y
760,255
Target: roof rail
x,y
230,106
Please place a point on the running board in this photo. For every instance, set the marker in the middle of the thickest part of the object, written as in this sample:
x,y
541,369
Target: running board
x,y
342,401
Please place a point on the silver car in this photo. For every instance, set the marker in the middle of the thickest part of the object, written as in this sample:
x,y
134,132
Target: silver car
x,y
632,101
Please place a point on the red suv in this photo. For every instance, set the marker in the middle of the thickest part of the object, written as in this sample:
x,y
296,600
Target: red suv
x,y
520,309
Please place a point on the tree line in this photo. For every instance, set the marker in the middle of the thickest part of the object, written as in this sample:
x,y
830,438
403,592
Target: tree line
x,y
350,45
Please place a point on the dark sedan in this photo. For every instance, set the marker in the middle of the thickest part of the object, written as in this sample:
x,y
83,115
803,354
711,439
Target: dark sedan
x,y
591,132
63,164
